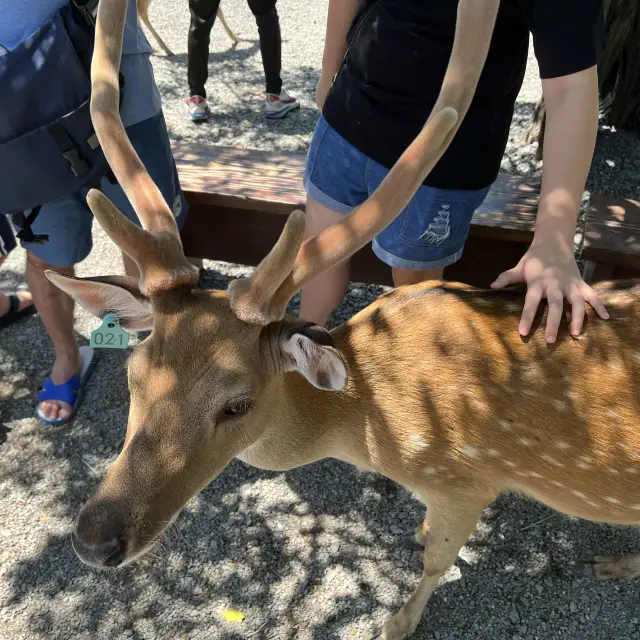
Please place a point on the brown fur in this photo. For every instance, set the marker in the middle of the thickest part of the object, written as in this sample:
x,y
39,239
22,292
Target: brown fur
x,y
431,385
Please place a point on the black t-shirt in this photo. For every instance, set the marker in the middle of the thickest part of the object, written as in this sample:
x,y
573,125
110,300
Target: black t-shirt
x,y
397,58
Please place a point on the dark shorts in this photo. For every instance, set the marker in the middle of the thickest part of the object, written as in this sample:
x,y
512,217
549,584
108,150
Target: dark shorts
x,y
67,221
7,239
431,231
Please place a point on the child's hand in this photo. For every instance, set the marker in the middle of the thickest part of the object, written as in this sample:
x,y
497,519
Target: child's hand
x,y
553,274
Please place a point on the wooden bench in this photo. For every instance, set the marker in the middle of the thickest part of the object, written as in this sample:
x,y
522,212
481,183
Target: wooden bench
x,y
611,246
239,200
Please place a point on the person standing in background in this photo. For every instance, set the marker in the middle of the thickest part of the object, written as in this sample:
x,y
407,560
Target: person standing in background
x,y
278,103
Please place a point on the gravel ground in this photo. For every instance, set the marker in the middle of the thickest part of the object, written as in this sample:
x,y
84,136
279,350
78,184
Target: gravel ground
x,y
310,554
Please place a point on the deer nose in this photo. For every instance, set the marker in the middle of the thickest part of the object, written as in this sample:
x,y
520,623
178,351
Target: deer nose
x,y
98,546
105,554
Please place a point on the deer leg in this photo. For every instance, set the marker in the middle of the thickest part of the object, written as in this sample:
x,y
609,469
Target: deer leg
x,y
451,522
147,23
614,567
417,538
230,33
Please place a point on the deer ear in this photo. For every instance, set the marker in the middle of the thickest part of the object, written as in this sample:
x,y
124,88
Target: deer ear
x,y
109,294
309,350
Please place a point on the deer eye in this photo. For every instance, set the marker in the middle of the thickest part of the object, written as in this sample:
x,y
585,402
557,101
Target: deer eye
x,y
236,408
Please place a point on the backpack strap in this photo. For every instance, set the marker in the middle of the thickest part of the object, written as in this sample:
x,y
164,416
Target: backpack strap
x,y
68,149
26,232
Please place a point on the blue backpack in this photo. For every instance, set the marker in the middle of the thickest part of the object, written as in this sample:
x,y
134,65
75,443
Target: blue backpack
x,y
48,148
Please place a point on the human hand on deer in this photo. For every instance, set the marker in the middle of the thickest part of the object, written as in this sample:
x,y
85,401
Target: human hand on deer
x,y
550,271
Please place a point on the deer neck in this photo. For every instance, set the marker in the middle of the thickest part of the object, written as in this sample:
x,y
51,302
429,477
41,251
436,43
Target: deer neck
x,y
306,425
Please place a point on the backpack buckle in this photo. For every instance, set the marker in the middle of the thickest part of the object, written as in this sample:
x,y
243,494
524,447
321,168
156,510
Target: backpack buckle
x,y
78,165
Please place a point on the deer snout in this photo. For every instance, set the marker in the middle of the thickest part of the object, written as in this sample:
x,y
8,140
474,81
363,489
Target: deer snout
x,y
98,543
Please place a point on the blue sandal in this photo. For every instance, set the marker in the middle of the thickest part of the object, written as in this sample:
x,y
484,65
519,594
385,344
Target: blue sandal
x,y
70,391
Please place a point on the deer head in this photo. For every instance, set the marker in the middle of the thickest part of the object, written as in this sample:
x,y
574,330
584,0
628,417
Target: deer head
x,y
220,372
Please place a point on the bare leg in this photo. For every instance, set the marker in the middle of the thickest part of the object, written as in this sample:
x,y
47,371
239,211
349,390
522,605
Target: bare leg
x,y
56,311
321,296
403,277
614,567
451,522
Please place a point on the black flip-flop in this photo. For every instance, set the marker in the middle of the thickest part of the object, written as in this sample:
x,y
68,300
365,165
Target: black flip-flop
x,y
14,314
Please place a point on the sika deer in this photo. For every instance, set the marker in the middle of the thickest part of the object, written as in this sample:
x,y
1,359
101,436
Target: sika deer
x,y
431,385
143,16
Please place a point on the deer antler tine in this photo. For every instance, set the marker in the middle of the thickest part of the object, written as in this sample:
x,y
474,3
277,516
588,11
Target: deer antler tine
x,y
158,253
474,29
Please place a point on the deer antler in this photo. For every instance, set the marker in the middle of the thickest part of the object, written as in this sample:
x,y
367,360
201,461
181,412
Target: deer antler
x,y
157,250
253,302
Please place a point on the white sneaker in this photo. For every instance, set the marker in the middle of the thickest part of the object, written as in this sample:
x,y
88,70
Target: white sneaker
x,y
197,108
277,106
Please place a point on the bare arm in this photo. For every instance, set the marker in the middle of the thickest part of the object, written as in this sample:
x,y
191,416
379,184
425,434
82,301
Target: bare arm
x,y
549,266
339,18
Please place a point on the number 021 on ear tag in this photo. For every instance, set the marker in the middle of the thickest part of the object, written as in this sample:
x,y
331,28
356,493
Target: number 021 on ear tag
x,y
109,335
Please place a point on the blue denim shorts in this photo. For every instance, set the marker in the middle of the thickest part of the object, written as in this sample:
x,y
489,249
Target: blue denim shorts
x,y
429,233
67,221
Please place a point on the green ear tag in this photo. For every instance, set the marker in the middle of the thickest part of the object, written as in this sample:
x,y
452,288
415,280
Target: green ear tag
x,y
109,335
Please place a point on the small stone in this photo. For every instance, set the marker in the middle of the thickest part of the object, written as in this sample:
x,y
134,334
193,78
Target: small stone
x,y
522,629
9,600
213,546
514,616
573,607
395,529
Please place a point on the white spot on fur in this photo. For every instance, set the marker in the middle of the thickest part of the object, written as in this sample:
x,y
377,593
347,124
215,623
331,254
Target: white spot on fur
x,y
632,470
557,484
469,451
513,465
525,441
612,500
493,453
635,507
535,474
612,413
513,307
586,459
418,441
613,472
592,504
505,425
583,465
579,494
560,405
562,445
551,460
430,470
572,396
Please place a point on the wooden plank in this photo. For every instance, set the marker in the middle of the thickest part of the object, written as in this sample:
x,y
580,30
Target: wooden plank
x,y
239,200
245,236
612,234
272,182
